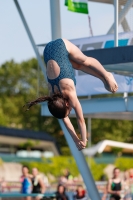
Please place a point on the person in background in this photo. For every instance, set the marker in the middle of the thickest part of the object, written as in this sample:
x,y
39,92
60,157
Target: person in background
x,y
114,186
66,179
131,180
26,182
3,185
61,193
70,180
128,184
62,180
38,186
67,174
80,193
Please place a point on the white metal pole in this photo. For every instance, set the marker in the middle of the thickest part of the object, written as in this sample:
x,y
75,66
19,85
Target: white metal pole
x,y
116,22
55,19
122,14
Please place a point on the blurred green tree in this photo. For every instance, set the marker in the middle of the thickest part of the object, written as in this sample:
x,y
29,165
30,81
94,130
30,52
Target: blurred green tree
x,y
117,130
23,82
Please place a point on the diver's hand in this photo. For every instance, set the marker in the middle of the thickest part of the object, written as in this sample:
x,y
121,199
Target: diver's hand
x,y
85,141
80,144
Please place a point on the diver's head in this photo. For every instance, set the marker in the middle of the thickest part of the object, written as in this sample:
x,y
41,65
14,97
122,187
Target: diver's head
x,y
58,106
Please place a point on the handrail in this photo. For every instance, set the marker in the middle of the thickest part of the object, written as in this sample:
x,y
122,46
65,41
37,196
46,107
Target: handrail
x,y
52,194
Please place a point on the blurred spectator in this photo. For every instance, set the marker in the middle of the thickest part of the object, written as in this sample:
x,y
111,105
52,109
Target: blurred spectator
x,y
128,185
67,180
80,193
126,175
26,182
131,180
46,181
61,193
68,175
114,187
62,180
38,186
104,195
3,185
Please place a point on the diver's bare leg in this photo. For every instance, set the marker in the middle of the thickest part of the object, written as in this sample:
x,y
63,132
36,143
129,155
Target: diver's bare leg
x,y
90,66
93,67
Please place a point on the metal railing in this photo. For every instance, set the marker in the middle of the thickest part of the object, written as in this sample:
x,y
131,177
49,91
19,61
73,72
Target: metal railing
x,y
12,192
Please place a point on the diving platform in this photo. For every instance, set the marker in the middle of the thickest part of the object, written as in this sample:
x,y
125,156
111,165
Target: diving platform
x,y
102,108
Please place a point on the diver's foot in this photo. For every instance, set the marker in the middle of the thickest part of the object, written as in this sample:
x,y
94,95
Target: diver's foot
x,y
110,83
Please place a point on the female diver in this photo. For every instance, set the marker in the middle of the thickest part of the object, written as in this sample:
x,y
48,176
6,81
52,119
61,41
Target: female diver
x,y
61,58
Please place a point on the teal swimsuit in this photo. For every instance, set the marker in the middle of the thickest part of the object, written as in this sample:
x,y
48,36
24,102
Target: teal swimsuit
x,y
56,50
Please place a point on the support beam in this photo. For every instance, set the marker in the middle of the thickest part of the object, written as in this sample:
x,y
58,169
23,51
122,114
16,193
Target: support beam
x,y
106,105
89,135
41,64
116,23
124,23
115,55
116,107
122,14
82,165
89,138
55,19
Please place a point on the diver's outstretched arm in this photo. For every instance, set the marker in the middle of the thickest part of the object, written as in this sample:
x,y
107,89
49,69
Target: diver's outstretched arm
x,y
80,145
75,104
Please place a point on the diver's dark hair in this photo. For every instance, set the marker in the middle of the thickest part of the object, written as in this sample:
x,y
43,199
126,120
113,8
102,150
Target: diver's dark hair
x,y
56,104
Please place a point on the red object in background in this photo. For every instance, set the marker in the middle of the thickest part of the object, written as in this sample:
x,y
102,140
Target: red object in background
x,y
81,193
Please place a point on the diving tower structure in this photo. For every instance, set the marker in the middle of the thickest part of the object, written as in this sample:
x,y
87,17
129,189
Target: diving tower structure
x,y
94,108
123,7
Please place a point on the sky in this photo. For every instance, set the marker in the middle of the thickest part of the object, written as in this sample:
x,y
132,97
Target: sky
x,y
14,42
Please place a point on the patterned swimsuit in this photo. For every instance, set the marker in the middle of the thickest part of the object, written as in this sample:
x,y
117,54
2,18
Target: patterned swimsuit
x,y
56,50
